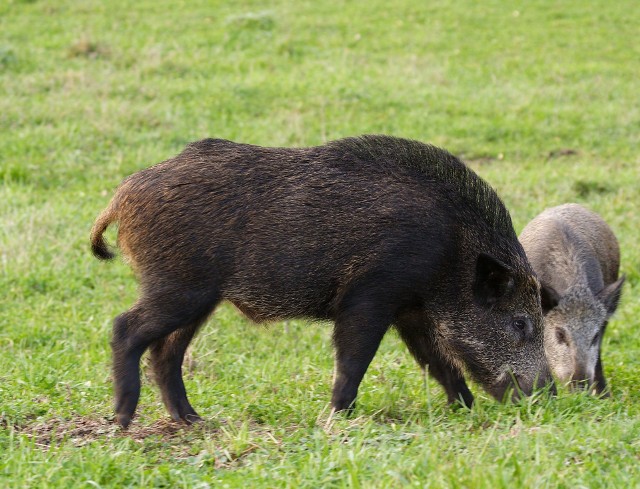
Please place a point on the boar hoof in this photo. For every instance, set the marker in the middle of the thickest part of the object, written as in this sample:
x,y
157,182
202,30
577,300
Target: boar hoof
x,y
183,413
460,403
344,408
192,418
124,420
601,393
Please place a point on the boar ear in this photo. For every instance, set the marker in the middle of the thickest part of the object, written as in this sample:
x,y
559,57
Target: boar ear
x,y
493,280
549,298
610,295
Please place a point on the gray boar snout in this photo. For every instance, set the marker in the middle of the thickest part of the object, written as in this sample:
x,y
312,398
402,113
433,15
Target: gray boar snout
x,y
583,377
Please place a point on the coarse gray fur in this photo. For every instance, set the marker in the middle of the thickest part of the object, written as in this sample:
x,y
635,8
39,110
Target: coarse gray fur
x,y
577,259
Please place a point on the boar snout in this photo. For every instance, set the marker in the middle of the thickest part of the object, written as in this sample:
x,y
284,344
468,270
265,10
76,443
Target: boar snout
x,y
544,380
582,378
513,386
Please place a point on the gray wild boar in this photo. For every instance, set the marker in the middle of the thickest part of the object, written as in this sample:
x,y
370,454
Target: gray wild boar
x,y
368,232
577,259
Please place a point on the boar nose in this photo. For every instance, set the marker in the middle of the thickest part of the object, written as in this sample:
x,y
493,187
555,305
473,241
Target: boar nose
x,y
580,379
551,383
544,380
579,385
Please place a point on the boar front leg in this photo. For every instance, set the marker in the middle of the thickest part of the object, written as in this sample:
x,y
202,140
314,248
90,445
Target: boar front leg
x,y
357,335
415,331
452,380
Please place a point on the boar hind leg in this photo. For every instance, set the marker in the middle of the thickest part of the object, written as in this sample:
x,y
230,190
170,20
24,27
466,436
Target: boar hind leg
x,y
167,355
150,320
356,337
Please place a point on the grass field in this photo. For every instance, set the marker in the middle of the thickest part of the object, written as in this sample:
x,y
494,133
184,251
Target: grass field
x,y
540,98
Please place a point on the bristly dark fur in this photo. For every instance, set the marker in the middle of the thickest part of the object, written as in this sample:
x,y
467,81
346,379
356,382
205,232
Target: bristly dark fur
x,y
371,232
435,163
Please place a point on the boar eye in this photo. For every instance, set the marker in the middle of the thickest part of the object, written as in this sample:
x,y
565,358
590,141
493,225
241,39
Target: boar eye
x,y
594,342
523,328
520,324
561,336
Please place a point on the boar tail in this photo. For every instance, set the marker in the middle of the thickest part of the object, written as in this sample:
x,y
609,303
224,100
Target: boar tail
x,y
99,246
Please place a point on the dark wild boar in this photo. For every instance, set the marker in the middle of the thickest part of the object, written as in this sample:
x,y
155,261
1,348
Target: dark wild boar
x,y
368,232
577,259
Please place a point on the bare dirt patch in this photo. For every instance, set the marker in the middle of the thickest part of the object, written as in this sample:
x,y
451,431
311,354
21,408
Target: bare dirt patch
x,y
202,444
83,430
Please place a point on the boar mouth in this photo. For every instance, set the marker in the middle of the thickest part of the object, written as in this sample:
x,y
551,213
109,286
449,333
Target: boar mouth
x,y
507,385
512,386
583,385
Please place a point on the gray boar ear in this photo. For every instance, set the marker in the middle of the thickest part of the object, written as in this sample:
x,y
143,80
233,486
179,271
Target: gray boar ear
x,y
549,298
610,295
494,279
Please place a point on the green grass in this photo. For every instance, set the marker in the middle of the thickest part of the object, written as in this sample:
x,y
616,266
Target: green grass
x,y
539,97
